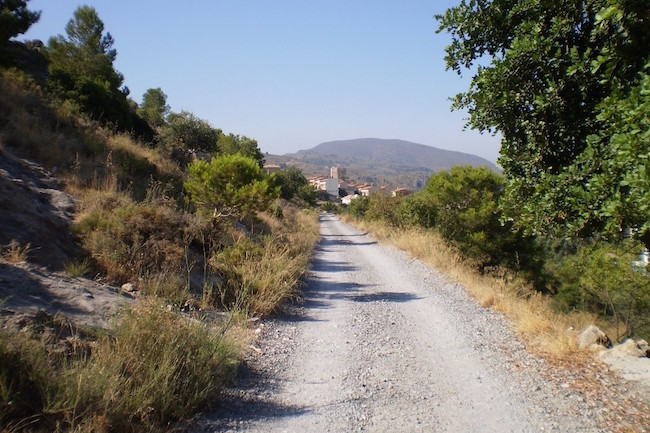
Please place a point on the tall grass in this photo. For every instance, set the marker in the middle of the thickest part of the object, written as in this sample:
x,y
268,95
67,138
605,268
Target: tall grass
x,y
532,313
154,367
262,272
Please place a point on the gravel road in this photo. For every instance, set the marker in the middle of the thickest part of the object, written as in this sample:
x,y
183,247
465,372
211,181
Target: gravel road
x,y
383,343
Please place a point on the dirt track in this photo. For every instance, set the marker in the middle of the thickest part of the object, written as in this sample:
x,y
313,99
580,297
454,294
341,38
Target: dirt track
x,y
384,343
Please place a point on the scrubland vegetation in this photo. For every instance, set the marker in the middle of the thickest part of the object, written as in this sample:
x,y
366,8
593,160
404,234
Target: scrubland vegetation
x,y
165,202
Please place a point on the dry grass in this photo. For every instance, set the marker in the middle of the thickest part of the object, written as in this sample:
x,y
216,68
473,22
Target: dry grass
x,y
15,253
124,144
534,318
153,368
260,273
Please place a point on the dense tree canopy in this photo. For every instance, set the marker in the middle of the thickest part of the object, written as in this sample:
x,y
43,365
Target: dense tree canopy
x,y
293,183
15,18
563,82
185,134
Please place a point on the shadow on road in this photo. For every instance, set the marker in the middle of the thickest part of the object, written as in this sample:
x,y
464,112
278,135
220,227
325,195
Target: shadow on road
x,y
244,403
382,297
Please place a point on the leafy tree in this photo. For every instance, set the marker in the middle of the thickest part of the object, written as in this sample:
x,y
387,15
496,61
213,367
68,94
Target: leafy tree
x,y
154,108
81,69
229,186
551,77
184,134
462,205
289,181
384,208
231,144
15,18
87,53
358,207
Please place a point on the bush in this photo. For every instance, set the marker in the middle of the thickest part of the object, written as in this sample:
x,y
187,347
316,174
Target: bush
x,y
358,207
155,367
384,208
261,272
462,205
131,241
231,186
602,278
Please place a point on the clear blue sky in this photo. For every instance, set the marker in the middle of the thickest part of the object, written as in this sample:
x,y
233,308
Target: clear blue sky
x,y
290,73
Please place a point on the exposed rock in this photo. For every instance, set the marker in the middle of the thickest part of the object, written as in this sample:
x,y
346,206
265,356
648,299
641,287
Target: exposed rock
x,y
28,290
631,348
128,287
34,210
592,335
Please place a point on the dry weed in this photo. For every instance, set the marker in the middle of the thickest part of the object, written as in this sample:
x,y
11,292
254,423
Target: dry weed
x,y
15,253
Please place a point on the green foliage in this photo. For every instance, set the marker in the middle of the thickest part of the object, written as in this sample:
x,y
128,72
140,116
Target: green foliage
x,y
307,193
185,134
417,210
603,279
463,205
154,108
15,18
81,69
358,207
293,184
558,75
231,144
231,185
384,208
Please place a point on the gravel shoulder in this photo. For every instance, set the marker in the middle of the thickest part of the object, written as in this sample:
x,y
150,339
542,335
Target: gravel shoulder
x,y
384,343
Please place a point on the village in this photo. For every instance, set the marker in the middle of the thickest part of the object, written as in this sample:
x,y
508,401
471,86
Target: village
x,y
342,191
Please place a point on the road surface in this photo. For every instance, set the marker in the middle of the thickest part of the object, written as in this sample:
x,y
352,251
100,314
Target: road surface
x,y
383,343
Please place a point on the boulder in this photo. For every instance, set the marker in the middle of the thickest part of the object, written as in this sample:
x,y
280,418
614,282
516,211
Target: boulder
x,y
591,336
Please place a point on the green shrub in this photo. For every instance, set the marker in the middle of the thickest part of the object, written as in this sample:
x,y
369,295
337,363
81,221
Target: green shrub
x,y
384,208
602,278
358,207
462,205
231,186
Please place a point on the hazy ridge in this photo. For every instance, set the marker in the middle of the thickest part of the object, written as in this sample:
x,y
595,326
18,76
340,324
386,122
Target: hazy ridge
x,y
383,161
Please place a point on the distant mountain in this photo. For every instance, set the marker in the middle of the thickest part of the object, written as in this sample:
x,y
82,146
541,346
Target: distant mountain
x,y
382,161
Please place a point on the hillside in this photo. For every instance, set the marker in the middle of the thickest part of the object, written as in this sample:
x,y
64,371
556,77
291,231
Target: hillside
x,y
385,161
